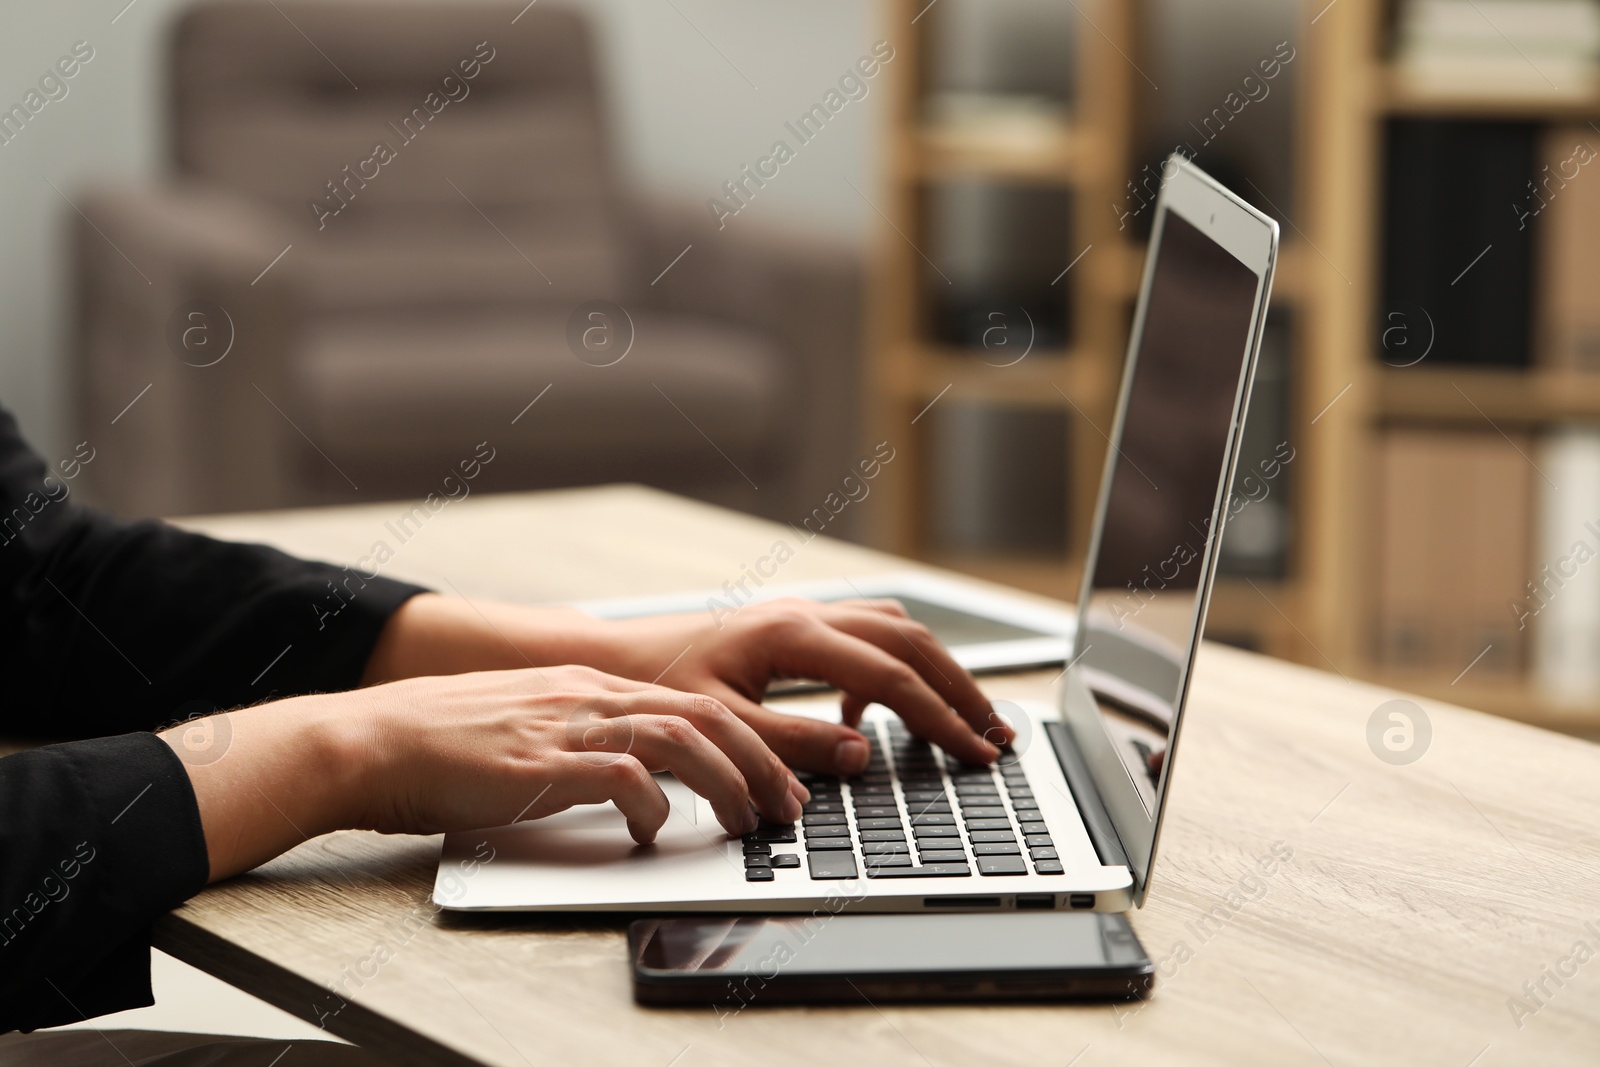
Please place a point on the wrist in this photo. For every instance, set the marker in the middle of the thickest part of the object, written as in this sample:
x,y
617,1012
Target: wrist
x,y
431,635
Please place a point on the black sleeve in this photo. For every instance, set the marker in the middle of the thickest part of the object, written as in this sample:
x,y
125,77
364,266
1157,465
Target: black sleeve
x,y
106,628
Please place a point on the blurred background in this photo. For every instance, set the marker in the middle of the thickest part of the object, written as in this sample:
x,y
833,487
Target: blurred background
x,y
273,253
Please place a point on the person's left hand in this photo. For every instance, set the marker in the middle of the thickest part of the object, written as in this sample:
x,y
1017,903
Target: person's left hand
x,y
871,650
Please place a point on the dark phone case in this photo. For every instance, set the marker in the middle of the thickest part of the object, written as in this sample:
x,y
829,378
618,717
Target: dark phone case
x,y
732,992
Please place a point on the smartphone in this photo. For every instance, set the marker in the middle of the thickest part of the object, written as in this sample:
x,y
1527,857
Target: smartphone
x,y
734,962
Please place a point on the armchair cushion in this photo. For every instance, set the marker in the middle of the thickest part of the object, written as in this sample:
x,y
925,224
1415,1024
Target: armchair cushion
x,y
385,387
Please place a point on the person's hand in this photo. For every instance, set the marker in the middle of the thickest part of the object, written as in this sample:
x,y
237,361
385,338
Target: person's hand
x,y
475,750
869,649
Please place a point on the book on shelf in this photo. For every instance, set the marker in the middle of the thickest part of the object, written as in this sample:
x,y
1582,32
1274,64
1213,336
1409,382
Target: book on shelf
x,y
1535,48
1457,247
1452,552
1560,603
1567,209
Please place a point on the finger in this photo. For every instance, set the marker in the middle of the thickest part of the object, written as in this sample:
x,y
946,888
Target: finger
x,y
885,604
915,643
671,743
812,648
851,710
596,777
760,773
805,743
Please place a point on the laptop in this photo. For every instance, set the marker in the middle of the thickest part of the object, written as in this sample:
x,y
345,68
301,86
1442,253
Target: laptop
x,y
1070,817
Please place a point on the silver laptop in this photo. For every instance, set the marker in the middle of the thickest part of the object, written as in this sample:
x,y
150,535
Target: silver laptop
x,y
1070,817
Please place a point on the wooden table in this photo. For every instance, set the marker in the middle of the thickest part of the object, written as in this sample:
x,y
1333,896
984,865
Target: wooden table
x,y
1418,900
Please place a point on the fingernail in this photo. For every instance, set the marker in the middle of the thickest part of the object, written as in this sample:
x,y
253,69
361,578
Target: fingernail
x,y
752,819
791,809
799,791
851,756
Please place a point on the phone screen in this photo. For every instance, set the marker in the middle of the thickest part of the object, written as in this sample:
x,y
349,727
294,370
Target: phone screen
x,y
890,944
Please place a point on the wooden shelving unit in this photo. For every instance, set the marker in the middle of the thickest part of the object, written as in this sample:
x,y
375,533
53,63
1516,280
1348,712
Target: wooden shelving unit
x,y
1085,155
1323,612
1349,92
1090,155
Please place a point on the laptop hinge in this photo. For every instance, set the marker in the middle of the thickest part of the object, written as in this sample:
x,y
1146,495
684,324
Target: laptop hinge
x,y
1102,833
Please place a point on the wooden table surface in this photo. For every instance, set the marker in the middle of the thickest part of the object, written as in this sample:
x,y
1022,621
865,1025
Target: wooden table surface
x,y
1416,903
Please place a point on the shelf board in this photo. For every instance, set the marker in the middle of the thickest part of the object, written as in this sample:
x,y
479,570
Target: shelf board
x,y
1059,155
1459,394
1395,94
1042,379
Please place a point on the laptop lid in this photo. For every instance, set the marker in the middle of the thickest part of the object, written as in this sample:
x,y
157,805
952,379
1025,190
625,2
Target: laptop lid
x,y
1185,386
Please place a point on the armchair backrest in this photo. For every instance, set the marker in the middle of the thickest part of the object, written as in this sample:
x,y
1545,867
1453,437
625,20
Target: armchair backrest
x,y
377,119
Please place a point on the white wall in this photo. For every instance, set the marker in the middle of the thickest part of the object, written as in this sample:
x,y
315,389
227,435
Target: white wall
x,y
686,121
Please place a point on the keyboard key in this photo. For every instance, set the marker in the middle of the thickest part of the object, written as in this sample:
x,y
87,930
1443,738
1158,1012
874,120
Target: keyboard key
x,y
879,824
820,807
992,835
927,870
1047,867
943,855
758,861
878,811
932,819
977,789
823,819
885,848
872,789
922,832
758,874
988,824
1029,816
829,844
984,812
882,835
1025,804
1038,840
928,809
1043,853
757,848
826,831
827,865
785,859
1020,793
888,859
999,865
996,848
772,833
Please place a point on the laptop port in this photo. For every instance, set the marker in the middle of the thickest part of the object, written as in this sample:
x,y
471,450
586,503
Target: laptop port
x,y
1035,901
1081,900
961,902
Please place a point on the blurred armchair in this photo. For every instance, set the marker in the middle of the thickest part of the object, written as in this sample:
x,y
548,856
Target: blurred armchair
x,y
377,250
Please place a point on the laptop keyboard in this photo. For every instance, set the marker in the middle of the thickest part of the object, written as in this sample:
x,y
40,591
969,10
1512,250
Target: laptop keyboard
x,y
913,813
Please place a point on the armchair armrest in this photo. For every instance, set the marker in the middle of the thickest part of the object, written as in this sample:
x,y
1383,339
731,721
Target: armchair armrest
x,y
802,292
200,436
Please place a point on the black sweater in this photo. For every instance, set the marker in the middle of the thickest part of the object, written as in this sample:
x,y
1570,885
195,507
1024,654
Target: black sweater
x,y
109,630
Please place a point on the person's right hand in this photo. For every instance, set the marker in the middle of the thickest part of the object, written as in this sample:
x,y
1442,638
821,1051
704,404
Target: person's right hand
x,y
473,750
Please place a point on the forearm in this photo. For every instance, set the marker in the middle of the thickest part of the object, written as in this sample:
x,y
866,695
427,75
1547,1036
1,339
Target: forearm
x,y
438,635
270,777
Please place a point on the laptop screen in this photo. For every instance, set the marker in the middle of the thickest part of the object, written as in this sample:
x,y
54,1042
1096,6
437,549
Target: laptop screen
x,y
1136,637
